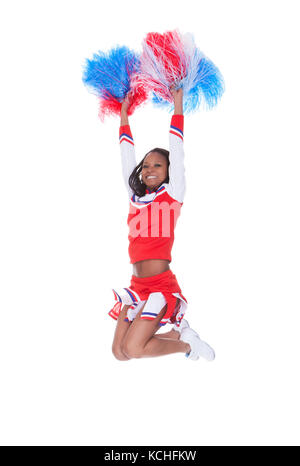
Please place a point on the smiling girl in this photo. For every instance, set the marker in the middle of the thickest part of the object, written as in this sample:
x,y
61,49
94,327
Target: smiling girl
x,y
156,188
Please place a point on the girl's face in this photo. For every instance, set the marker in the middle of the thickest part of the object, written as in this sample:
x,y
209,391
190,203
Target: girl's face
x,y
154,170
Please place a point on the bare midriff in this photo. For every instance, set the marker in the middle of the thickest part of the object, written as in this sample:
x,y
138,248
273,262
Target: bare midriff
x,y
150,267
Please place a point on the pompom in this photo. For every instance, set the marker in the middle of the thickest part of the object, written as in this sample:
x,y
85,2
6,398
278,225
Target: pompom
x,y
108,76
173,60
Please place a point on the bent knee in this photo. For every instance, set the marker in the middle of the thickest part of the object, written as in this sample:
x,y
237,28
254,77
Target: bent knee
x,y
119,354
132,350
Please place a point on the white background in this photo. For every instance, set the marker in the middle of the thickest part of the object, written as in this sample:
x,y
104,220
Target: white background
x,y
64,233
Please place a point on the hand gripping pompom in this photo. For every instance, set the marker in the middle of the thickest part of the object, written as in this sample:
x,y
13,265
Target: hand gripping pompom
x,y
108,75
172,60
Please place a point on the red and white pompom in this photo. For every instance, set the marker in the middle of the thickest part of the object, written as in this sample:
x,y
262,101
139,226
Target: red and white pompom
x,y
172,60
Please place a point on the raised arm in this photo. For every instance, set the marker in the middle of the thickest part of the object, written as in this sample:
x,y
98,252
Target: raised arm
x,y
127,147
176,168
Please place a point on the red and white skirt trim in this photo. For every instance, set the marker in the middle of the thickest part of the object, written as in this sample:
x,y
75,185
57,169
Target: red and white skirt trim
x,y
154,292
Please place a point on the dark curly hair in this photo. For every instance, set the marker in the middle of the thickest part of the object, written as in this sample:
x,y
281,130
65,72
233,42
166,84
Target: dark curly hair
x,y
135,182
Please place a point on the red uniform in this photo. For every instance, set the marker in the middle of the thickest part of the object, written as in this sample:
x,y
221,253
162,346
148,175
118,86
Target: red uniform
x,y
152,219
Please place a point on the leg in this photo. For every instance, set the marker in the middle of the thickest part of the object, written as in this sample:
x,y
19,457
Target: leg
x,y
120,332
140,341
173,334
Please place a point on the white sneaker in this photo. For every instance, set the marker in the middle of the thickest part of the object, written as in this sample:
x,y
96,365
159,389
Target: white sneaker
x,y
198,347
183,324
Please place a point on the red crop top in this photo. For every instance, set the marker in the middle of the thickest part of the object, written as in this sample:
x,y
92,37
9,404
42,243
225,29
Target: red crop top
x,y
152,218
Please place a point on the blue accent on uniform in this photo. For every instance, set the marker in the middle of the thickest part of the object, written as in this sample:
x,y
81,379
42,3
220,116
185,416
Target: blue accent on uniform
x,y
147,202
124,134
143,202
120,300
131,295
177,129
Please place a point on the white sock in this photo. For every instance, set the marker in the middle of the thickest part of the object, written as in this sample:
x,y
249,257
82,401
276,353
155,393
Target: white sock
x,y
183,324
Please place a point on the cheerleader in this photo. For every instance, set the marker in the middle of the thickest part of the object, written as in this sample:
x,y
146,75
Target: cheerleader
x,y
156,188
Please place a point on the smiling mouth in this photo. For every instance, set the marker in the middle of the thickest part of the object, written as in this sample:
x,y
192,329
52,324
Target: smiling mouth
x,y
150,176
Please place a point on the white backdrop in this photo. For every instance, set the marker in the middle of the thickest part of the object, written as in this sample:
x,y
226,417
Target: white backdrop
x,y
64,233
